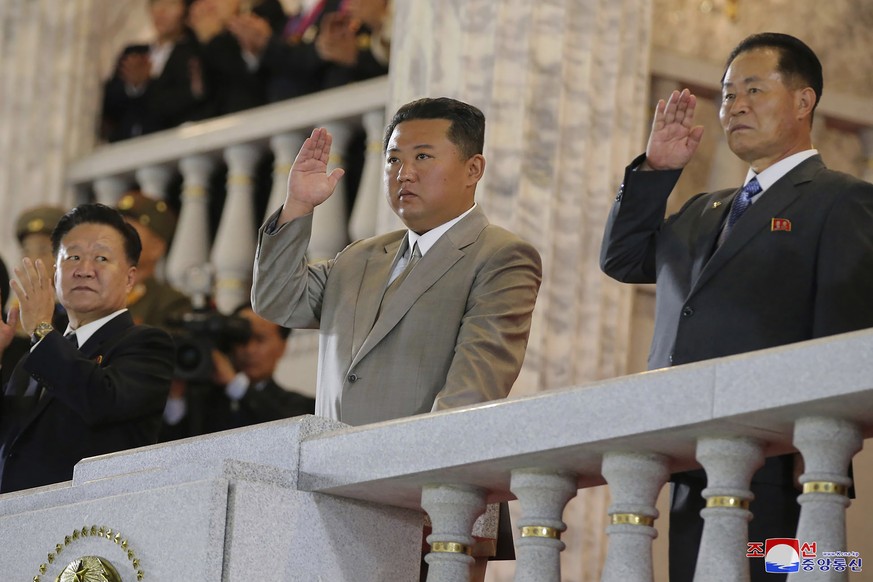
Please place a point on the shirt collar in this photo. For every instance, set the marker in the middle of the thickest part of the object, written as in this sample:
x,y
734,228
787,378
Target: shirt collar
x,y
84,332
427,240
772,174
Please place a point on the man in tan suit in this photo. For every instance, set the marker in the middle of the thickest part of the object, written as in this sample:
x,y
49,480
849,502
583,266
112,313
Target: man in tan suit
x,y
454,331
428,318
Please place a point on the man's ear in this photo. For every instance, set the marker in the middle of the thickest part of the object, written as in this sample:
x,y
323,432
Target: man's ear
x,y
131,278
805,101
475,168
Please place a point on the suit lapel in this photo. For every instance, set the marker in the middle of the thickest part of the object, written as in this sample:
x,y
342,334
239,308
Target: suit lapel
x,y
447,251
709,228
373,283
756,219
93,348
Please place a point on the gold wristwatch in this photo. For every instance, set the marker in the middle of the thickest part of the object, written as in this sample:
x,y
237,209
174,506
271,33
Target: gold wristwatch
x,y
42,329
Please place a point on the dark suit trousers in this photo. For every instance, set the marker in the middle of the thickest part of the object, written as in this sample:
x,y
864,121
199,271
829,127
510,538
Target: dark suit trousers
x,y
775,514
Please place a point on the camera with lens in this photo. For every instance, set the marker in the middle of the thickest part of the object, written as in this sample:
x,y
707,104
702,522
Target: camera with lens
x,y
199,332
204,329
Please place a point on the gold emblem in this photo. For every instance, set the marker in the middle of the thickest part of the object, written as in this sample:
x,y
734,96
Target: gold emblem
x,y
716,204
92,568
89,569
35,225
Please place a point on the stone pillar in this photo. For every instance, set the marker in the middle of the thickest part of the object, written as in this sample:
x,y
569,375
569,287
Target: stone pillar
x,y
542,496
285,148
729,464
110,189
371,189
154,180
233,253
191,241
330,220
452,509
827,445
634,482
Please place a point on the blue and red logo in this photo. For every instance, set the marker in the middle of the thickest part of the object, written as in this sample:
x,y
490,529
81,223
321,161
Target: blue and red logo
x,y
781,555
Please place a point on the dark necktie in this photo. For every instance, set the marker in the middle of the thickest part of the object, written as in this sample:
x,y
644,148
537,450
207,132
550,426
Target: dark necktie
x,y
743,201
71,337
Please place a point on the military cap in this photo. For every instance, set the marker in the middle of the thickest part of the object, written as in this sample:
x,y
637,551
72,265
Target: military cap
x,y
40,219
155,214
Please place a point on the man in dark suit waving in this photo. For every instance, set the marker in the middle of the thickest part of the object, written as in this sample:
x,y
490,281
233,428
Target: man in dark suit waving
x,y
788,257
101,388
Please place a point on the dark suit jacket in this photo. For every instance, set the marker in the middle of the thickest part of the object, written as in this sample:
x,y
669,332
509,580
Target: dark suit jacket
x,y
294,68
233,87
771,283
210,410
104,397
766,286
167,101
453,334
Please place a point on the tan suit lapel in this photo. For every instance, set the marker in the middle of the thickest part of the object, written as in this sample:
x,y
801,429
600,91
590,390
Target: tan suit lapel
x,y
373,283
447,251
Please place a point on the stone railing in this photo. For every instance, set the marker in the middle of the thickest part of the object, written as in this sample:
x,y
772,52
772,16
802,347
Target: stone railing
x,y
310,499
153,161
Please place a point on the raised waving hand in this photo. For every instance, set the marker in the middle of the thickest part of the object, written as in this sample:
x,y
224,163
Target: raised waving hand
x,y
674,138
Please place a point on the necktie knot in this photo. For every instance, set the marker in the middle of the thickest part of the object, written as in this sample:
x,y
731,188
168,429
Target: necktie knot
x,y
71,337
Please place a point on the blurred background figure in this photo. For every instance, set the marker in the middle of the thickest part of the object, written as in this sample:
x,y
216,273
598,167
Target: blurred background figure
x,y
159,85
328,44
33,230
152,301
242,390
230,68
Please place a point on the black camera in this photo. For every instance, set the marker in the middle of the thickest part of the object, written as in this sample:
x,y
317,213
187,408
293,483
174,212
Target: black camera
x,y
199,332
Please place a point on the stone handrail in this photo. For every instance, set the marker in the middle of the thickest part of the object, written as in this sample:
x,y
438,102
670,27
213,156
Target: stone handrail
x,y
241,139
343,502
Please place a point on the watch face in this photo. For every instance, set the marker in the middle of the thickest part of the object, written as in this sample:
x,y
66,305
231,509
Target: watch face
x,y
42,329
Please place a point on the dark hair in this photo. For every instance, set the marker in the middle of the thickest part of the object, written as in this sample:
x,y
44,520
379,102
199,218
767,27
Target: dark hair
x,y
95,213
796,59
284,332
467,129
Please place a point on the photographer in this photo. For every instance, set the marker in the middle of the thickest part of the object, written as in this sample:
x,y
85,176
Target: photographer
x,y
242,391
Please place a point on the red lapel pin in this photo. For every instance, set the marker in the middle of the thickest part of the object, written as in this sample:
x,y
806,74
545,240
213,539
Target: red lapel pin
x,y
780,224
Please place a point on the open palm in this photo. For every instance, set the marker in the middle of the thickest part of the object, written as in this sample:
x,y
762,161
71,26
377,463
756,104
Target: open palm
x,y
309,184
674,138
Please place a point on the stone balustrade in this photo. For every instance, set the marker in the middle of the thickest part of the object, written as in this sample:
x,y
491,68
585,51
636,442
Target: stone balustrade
x,y
240,140
311,499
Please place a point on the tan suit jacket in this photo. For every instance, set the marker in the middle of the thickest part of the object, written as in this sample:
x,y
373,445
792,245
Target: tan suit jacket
x,y
454,333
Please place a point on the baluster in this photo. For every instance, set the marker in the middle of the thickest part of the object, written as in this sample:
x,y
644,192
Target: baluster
x,y
827,446
153,180
730,464
234,250
285,148
110,189
370,191
191,241
452,509
542,496
330,220
634,483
